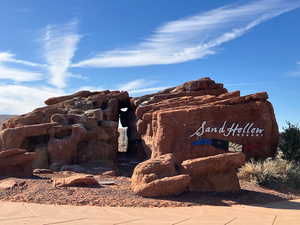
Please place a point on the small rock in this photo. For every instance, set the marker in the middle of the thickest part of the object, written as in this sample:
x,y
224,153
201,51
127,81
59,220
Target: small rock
x,y
75,180
8,184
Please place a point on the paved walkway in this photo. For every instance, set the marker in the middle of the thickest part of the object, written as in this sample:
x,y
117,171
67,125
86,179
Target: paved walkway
x,y
280,213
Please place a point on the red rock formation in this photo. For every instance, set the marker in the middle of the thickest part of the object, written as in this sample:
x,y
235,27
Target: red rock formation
x,y
159,177
78,128
193,121
62,151
16,162
172,120
163,175
214,173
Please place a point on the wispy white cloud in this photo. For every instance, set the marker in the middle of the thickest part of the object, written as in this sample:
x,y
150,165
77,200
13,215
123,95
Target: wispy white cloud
x,y
9,57
296,72
193,37
60,44
134,87
147,90
17,74
135,84
78,76
19,99
140,86
90,88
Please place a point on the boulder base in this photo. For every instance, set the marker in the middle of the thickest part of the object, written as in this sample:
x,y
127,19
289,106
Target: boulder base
x,y
16,163
159,177
214,173
163,175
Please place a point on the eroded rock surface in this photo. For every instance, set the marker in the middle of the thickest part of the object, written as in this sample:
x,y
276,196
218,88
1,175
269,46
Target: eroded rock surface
x,y
186,132
76,180
159,177
172,121
163,175
74,129
16,162
214,173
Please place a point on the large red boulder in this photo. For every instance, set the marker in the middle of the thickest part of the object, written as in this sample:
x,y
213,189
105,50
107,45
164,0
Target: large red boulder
x,y
163,175
176,124
214,173
159,177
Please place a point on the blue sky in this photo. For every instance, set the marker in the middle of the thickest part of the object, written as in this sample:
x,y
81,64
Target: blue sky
x,y
50,48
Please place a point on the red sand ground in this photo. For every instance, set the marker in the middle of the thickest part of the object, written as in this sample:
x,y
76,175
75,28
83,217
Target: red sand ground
x,y
40,190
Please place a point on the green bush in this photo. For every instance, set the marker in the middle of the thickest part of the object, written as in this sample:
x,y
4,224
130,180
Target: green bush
x,y
271,172
289,142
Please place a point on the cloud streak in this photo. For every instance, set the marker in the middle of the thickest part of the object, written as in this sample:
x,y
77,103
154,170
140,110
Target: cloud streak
x,y
140,86
193,37
10,58
19,99
60,44
17,74
296,72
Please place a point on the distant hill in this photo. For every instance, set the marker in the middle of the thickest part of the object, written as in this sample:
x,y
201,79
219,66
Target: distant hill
x,y
5,117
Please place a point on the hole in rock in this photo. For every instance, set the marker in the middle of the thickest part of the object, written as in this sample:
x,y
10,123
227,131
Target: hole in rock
x,y
130,152
71,121
62,134
104,106
124,109
30,143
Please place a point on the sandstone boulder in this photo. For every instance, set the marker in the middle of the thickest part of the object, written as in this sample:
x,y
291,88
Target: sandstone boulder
x,y
159,177
75,180
16,162
214,173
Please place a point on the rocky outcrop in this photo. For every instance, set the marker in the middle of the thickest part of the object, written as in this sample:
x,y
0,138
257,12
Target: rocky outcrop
x,y
159,177
187,132
214,173
163,175
191,129
174,120
16,162
78,128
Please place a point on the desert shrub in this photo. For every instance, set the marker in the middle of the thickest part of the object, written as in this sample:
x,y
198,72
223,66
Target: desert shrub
x,y
289,142
271,172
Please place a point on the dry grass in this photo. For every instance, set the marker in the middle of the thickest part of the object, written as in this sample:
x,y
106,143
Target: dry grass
x,y
271,172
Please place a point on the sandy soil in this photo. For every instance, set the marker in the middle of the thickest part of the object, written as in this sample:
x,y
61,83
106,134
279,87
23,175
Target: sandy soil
x,y
39,189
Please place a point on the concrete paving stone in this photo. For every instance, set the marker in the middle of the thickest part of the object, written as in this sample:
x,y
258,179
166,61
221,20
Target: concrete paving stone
x,y
158,214
252,219
287,220
286,212
16,210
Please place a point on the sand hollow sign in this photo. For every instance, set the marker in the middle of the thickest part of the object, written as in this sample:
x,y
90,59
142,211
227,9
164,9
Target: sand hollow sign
x,y
199,119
